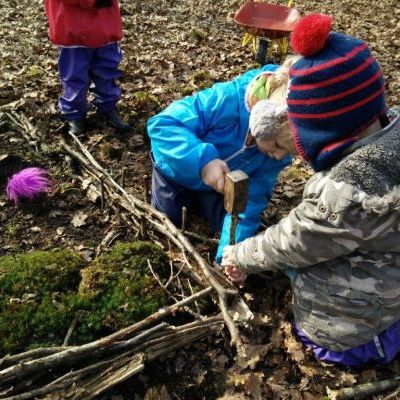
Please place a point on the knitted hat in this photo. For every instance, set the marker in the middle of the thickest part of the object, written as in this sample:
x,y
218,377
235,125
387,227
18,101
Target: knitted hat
x,y
336,91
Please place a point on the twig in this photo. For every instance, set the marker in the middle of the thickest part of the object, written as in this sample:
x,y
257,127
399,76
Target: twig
x,y
191,290
71,329
201,237
123,177
364,390
184,215
38,392
146,188
29,355
102,200
392,395
169,293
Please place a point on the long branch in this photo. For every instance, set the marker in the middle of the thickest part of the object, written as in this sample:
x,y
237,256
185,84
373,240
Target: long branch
x,y
26,368
364,390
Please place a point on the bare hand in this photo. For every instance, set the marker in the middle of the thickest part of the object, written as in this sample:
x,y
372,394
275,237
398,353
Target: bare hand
x,y
231,270
235,274
213,174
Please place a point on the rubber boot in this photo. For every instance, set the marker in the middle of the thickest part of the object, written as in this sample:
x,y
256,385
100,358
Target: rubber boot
x,y
76,127
115,120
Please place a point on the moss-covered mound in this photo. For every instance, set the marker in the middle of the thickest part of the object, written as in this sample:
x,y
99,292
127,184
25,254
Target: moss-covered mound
x,y
42,292
120,286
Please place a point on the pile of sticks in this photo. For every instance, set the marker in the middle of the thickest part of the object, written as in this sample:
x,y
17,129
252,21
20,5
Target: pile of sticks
x,y
96,366
84,372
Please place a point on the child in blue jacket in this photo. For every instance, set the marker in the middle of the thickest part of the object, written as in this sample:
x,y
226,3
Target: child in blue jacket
x,y
198,139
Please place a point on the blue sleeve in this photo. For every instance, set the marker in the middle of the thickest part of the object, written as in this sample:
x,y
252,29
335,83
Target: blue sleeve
x,y
261,186
178,134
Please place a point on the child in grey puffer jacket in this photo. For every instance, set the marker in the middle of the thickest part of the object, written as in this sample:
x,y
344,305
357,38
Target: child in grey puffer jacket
x,y
343,240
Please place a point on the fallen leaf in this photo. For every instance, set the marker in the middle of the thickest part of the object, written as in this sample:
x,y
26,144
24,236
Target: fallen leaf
x,y
79,219
60,230
222,360
345,379
253,355
251,382
310,370
253,385
157,393
293,347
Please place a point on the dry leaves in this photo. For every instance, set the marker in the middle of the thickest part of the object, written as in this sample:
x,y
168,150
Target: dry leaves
x,y
250,382
79,219
157,393
292,345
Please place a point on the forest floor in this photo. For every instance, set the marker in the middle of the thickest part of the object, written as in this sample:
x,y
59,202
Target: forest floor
x,y
171,49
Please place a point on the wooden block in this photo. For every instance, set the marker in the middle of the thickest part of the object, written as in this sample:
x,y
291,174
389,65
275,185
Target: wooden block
x,y
235,191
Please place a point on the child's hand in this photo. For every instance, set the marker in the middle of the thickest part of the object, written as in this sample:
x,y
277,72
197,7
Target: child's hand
x,y
213,174
235,274
231,270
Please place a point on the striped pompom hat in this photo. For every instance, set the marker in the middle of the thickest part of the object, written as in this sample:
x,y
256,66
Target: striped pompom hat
x,y
336,91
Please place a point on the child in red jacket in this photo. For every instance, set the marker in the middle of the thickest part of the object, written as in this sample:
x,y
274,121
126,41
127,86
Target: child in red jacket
x,y
87,33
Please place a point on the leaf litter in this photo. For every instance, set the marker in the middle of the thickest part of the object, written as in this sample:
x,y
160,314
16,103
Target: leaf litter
x,y
172,49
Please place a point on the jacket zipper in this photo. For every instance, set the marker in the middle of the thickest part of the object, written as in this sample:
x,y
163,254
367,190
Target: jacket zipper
x,y
241,150
236,153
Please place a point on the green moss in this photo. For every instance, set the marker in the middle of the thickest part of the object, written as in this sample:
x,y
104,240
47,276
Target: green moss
x,y
111,151
201,79
294,173
12,229
143,100
198,34
187,90
42,292
39,272
121,285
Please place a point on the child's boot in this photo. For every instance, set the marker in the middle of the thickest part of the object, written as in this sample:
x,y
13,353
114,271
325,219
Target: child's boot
x,y
116,121
76,127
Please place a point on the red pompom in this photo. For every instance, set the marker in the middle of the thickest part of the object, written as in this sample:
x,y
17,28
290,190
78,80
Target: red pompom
x,y
310,34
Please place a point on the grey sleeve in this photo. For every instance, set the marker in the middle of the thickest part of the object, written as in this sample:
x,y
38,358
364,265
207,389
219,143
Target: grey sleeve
x,y
310,234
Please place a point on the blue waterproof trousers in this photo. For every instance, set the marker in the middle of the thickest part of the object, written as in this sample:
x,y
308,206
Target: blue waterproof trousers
x,y
79,67
169,197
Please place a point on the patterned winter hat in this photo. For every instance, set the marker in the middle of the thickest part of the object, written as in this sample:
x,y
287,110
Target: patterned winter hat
x,y
336,91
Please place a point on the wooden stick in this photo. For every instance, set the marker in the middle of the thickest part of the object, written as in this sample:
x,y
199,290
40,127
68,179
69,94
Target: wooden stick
x,y
102,200
123,177
28,355
184,215
201,237
71,329
392,395
71,354
364,390
38,392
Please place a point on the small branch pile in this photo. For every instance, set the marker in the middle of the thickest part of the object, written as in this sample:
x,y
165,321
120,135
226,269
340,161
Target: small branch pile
x,y
83,372
101,364
140,212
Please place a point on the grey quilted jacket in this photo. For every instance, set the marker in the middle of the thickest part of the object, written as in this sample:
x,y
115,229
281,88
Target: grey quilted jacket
x,y
344,241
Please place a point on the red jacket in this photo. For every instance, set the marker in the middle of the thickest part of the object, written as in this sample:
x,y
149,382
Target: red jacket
x,y
79,23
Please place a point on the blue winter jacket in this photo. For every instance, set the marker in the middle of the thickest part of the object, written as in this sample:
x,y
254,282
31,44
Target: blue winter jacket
x,y
214,123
